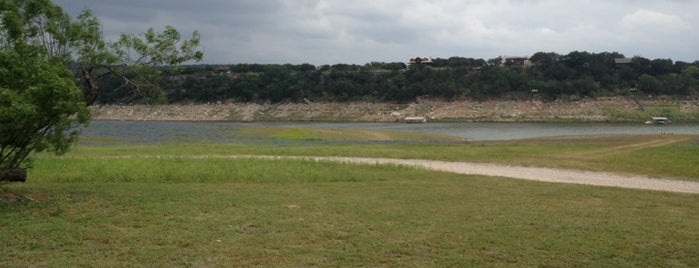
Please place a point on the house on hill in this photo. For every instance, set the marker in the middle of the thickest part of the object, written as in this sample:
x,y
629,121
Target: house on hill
x,y
421,61
221,69
515,62
622,61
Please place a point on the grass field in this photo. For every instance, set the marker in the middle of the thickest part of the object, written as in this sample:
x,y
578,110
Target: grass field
x,y
169,205
674,156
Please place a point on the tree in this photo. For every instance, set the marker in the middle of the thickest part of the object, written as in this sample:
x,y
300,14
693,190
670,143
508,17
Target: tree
x,y
690,79
648,83
135,59
41,105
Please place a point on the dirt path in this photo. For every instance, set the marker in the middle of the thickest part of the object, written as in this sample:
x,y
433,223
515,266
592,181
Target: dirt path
x,y
524,173
495,170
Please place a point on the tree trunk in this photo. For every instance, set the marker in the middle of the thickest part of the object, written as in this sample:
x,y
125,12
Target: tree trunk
x,y
93,92
13,174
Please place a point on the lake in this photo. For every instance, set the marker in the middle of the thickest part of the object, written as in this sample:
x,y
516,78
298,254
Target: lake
x,y
150,132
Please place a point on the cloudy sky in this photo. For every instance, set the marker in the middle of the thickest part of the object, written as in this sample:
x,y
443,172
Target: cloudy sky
x,y
362,31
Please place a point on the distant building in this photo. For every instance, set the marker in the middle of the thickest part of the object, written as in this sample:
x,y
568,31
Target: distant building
x,y
515,62
421,60
222,69
622,61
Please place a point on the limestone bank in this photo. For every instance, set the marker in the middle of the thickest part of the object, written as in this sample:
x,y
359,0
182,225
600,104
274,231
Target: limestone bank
x,y
615,109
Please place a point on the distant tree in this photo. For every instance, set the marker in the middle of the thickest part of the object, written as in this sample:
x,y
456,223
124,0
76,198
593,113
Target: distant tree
x,y
690,80
389,66
545,59
648,83
345,67
661,66
465,62
549,66
679,66
578,62
602,68
494,61
641,66
691,72
578,73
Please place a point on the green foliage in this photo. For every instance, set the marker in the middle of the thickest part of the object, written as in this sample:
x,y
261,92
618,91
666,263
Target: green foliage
x,y
648,83
40,104
158,48
135,61
575,75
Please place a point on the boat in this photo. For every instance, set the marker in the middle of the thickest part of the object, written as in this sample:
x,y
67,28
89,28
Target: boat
x,y
658,120
415,119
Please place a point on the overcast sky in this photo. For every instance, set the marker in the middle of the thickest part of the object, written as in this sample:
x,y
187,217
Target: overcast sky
x,y
359,31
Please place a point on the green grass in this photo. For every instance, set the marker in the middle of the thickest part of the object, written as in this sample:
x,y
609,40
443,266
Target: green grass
x,y
334,134
671,111
338,215
171,205
675,156
213,170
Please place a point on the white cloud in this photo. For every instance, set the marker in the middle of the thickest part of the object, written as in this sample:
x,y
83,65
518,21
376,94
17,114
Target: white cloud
x,y
656,34
646,23
333,31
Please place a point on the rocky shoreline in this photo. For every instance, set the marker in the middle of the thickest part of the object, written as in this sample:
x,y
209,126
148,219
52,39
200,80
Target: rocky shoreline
x,y
614,109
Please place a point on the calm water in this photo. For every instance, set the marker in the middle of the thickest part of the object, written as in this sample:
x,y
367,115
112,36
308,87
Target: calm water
x,y
147,132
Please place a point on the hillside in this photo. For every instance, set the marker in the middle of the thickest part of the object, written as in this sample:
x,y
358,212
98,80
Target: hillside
x,y
544,76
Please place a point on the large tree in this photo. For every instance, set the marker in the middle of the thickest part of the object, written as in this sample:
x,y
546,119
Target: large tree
x,y
42,105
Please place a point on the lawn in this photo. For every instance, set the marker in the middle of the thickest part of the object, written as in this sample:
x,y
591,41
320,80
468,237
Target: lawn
x,y
110,206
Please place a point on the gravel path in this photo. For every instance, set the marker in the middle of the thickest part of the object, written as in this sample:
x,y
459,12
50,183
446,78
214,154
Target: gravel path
x,y
528,173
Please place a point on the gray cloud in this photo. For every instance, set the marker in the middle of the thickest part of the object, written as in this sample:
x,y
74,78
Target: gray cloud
x,y
333,31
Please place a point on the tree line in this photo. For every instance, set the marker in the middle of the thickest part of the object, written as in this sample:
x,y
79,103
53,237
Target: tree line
x,y
546,75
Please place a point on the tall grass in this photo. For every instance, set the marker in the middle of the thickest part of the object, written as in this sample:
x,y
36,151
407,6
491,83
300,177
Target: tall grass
x,y
203,170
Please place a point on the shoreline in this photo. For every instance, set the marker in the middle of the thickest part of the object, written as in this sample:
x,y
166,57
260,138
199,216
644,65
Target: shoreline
x,y
600,110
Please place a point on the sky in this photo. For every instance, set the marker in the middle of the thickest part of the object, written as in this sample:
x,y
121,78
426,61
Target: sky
x,y
358,31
